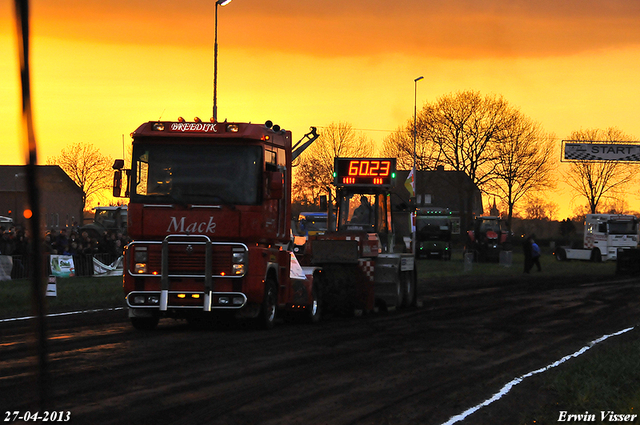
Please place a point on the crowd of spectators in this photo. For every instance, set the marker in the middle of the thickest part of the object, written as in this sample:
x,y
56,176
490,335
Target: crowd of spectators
x,y
76,242
15,241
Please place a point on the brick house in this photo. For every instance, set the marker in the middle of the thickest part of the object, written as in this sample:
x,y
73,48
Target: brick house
x,y
442,189
61,198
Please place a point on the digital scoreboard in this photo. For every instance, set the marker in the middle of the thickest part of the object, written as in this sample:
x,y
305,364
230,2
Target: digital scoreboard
x,y
364,171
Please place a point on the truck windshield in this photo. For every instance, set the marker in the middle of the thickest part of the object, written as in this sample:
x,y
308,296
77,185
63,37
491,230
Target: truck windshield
x,y
196,174
623,227
433,224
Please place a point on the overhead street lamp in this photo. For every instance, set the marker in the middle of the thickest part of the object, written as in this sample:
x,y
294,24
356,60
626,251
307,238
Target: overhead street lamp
x,y
415,116
215,58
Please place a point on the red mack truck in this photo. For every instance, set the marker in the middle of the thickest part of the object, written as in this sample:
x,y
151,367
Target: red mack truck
x,y
209,216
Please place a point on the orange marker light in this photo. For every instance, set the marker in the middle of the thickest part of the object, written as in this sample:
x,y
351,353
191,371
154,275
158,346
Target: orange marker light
x,y
27,214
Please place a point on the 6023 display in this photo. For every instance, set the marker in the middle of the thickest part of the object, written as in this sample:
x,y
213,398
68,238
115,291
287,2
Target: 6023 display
x,y
364,171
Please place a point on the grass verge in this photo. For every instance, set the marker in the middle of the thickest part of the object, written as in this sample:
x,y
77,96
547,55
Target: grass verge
x,y
74,293
438,274
606,380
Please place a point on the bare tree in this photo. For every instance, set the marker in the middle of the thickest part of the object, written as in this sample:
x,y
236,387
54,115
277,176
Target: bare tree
x,y
523,162
87,167
457,131
465,128
538,208
597,181
314,169
399,145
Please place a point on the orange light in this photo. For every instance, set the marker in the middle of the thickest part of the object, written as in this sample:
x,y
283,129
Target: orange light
x,y
195,295
154,273
27,214
223,274
181,295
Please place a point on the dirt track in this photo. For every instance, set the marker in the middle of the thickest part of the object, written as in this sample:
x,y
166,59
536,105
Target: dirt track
x,y
418,366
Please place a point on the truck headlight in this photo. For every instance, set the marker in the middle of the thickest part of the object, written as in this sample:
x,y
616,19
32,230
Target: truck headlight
x,y
239,257
140,254
238,269
140,257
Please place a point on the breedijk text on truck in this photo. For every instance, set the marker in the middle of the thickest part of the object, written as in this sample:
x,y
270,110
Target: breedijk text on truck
x,y
209,215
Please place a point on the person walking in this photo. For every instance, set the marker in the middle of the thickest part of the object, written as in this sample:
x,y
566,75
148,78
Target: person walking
x,y
535,255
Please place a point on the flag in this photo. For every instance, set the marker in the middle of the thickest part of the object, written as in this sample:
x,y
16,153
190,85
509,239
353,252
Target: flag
x,y
410,183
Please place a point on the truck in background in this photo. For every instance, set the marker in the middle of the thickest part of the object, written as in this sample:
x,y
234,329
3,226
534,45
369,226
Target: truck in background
x,y
107,219
6,222
312,223
433,233
604,235
209,215
365,262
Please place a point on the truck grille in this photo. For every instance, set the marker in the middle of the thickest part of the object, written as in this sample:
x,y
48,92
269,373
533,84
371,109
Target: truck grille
x,y
191,261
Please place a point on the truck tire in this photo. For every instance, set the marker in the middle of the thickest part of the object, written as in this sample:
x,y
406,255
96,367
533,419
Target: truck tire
x,y
267,318
409,288
314,310
596,256
145,323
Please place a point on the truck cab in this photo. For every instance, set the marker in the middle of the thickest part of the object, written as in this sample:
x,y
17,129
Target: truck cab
x,y
604,236
433,233
209,215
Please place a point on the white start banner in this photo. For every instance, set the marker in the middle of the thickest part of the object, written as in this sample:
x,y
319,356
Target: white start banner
x,y
600,151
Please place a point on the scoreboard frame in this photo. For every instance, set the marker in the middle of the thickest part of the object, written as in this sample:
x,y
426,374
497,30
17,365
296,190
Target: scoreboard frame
x,y
367,172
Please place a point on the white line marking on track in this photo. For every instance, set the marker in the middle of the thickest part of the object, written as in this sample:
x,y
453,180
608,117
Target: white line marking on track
x,y
504,390
68,313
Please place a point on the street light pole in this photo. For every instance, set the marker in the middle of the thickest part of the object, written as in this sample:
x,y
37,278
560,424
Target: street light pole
x,y
215,58
415,117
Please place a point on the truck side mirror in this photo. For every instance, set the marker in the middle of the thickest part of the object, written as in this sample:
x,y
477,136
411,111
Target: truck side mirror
x,y
323,202
276,185
117,183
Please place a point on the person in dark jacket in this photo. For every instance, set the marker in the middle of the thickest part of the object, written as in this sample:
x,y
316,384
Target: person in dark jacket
x,y
535,255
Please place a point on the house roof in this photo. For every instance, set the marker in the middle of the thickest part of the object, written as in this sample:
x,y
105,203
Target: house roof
x,y
13,178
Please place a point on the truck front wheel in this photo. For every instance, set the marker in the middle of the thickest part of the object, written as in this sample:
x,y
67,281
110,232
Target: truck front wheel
x,y
267,317
315,308
596,256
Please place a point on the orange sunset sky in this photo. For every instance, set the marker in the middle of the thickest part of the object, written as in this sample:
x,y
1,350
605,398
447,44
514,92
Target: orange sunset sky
x,y
101,68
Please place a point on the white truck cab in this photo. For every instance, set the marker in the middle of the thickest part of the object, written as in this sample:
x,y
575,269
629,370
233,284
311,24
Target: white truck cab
x,y
604,235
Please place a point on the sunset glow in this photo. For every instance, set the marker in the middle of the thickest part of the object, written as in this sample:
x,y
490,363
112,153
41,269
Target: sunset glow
x,y
102,68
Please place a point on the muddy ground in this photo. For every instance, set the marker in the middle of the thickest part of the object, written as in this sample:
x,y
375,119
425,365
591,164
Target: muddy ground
x,y
417,366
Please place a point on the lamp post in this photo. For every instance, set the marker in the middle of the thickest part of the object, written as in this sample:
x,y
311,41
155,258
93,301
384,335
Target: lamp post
x,y
415,117
215,58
